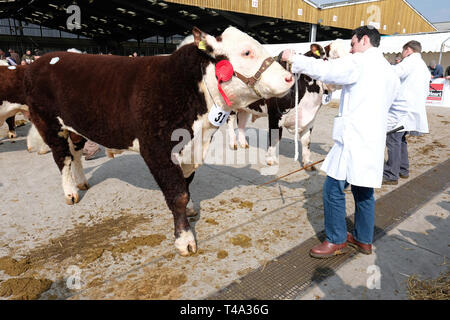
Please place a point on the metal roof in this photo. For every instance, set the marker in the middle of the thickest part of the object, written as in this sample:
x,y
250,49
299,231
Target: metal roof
x,y
327,4
432,42
442,26
121,20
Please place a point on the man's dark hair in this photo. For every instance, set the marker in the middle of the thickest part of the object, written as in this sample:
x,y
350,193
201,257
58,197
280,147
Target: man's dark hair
x,y
371,32
414,45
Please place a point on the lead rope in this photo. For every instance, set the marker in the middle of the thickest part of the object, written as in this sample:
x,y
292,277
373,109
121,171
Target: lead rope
x,y
296,117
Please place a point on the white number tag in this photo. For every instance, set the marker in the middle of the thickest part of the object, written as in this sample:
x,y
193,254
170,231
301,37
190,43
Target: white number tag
x,y
217,116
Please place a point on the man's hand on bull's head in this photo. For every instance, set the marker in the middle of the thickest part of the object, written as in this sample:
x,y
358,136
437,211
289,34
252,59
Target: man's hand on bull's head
x,y
287,56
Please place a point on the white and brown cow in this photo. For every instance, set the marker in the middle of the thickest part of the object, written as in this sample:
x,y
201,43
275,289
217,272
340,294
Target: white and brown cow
x,y
281,111
116,101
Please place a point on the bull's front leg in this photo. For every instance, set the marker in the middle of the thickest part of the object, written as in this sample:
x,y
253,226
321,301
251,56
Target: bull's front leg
x,y
189,163
275,133
172,182
190,211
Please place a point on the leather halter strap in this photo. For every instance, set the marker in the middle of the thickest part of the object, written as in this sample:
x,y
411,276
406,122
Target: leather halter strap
x,y
251,82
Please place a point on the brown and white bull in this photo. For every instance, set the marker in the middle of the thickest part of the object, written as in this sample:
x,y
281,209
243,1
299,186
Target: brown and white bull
x,y
12,98
116,101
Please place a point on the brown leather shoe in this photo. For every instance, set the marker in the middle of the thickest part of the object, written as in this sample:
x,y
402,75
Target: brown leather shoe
x,y
390,182
361,247
327,249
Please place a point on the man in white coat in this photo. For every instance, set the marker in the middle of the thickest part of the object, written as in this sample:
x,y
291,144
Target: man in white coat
x,y
408,110
369,86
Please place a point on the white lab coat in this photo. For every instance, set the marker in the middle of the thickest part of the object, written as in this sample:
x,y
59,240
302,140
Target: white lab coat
x,y
408,109
369,86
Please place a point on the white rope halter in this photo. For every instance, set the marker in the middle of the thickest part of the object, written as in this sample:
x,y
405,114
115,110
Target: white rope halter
x,y
296,117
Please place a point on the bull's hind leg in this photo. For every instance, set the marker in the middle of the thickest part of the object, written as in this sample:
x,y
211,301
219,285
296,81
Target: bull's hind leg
x,y
306,149
170,179
76,144
58,141
242,119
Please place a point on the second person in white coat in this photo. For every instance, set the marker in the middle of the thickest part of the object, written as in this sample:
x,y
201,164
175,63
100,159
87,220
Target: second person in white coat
x,y
408,110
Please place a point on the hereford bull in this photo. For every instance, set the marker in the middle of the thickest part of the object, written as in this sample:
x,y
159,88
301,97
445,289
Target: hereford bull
x,y
116,101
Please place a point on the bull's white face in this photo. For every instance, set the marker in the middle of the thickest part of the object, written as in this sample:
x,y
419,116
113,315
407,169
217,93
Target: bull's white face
x,y
338,49
247,55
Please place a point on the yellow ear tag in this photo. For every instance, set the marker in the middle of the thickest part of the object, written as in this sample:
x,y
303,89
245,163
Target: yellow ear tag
x,y
317,53
202,45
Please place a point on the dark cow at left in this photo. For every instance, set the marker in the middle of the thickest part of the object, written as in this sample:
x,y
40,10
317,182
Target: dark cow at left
x,y
119,102
12,95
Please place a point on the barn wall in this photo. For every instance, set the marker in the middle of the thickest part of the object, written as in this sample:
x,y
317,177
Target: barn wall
x,y
394,14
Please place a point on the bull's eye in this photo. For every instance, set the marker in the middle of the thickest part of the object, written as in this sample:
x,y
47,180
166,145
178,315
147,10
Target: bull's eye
x,y
246,53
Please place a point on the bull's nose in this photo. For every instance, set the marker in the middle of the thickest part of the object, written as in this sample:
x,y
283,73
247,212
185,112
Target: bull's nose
x,y
289,78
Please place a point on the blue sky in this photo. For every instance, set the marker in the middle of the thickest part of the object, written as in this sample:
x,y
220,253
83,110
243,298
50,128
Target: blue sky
x,y
433,10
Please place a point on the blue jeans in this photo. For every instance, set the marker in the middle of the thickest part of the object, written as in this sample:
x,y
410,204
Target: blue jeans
x,y
334,210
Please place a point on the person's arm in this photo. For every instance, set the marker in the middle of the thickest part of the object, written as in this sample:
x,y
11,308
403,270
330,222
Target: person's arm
x,y
340,71
403,69
439,71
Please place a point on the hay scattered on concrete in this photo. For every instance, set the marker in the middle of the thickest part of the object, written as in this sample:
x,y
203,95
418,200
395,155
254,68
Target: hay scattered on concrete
x,y
24,288
429,289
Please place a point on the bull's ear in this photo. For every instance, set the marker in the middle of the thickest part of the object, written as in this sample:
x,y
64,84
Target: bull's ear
x,y
197,35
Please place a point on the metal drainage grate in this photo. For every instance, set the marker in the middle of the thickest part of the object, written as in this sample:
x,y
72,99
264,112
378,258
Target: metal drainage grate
x,y
294,271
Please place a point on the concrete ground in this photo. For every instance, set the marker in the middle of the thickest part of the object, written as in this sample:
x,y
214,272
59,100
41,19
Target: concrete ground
x,y
417,246
117,242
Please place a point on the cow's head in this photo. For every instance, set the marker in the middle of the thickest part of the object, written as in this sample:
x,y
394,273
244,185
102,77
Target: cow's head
x,y
266,78
336,49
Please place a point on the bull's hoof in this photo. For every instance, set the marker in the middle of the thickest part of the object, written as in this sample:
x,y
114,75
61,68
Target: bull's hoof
x,y
30,150
72,198
12,135
110,154
190,212
233,146
83,186
271,161
185,243
244,145
312,168
41,152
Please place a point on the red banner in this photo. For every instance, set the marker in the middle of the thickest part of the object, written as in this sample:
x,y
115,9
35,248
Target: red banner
x,y
436,92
